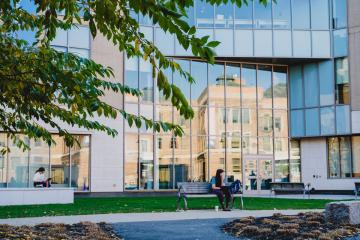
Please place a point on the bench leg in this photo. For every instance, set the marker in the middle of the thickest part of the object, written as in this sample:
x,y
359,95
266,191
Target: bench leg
x,y
356,193
185,203
242,202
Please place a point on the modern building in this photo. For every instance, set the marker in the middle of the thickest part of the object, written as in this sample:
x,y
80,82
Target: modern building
x,y
281,104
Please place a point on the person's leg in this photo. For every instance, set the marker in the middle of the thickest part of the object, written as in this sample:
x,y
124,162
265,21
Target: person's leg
x,y
220,196
227,194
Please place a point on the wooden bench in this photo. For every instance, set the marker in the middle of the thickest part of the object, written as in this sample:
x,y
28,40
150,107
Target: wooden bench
x,y
288,188
357,189
200,190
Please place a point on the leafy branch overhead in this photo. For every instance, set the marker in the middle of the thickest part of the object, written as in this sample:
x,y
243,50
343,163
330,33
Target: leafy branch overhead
x,y
40,85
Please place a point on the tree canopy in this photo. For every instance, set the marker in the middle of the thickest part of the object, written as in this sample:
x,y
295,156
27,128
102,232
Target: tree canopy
x,y
41,86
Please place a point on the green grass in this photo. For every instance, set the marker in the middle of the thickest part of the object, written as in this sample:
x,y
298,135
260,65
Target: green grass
x,y
149,204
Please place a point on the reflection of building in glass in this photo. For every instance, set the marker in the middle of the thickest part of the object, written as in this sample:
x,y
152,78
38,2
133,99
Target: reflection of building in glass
x,y
282,103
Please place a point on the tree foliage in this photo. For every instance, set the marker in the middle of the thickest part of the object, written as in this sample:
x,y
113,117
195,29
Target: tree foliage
x,y
43,87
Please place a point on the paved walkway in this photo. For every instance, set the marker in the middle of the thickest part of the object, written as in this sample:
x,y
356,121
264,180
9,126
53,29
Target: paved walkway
x,y
204,229
148,217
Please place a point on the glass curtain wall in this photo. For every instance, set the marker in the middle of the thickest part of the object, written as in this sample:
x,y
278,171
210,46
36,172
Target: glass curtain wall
x,y
240,110
67,167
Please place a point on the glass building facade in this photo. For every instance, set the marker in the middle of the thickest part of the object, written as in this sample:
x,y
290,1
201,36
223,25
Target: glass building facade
x,y
240,125
68,167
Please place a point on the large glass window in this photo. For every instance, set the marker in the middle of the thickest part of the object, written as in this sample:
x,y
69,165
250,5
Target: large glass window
x,y
224,15
342,81
262,15
333,157
311,85
233,84
339,13
244,16
204,14
131,77
146,82
226,47
319,14
164,41
39,157
326,81
340,43
246,46
281,14
60,163
295,162
301,14
339,157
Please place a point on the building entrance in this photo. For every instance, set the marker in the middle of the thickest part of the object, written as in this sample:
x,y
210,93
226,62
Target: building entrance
x,y
258,173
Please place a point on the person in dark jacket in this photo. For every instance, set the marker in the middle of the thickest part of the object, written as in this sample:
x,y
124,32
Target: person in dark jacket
x,y
218,187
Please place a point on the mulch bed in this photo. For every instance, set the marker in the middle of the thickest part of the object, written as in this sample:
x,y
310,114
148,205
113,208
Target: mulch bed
x,y
302,226
47,231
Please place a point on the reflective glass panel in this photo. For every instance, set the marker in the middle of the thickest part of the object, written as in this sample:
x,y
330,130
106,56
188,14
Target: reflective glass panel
x,y
217,120
250,174
340,43
80,160
79,37
199,90
345,157
281,148
39,157
282,43
146,161
339,13
248,86
282,170
243,16
265,122
180,81
131,162
356,156
246,46
263,47
131,77
226,47
60,38
311,85
18,174
146,82
249,145
233,84
265,173
326,80
312,122
296,87
281,14
200,158
280,87
164,41
334,158
204,14
216,85
182,160
3,161
327,116
266,145
216,153
301,14
60,163
264,86
164,153
262,15
224,15
281,123
321,44
301,43
295,170
342,119
319,14
199,124
297,123
342,81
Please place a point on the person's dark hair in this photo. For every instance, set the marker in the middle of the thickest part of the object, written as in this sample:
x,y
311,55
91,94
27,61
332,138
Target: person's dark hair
x,y
218,177
41,169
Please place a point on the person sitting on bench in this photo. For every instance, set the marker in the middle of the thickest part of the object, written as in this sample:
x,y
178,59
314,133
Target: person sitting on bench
x,y
40,179
218,187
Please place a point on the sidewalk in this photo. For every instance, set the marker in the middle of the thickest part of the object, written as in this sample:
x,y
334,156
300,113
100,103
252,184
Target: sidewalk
x,y
146,217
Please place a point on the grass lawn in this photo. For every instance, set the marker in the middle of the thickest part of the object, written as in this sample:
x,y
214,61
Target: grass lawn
x,y
149,204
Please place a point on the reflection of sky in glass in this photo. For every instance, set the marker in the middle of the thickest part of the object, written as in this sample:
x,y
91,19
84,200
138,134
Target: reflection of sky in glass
x,y
28,36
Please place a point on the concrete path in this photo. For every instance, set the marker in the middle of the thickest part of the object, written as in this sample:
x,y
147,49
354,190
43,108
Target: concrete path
x,y
204,229
148,217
